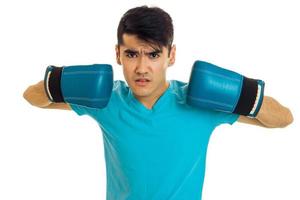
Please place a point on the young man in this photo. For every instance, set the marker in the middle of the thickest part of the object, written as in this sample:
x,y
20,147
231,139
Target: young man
x,y
155,144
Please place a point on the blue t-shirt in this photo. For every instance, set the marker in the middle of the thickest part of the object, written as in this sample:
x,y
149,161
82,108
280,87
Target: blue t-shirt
x,y
156,153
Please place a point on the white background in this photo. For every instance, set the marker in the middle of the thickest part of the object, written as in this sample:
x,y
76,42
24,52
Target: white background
x,y
53,154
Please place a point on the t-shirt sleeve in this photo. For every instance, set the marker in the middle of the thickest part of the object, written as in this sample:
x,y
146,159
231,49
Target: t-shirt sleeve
x,y
101,113
78,109
83,110
225,118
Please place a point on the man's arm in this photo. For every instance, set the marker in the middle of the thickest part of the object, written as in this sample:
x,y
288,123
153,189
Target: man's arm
x,y
271,115
36,96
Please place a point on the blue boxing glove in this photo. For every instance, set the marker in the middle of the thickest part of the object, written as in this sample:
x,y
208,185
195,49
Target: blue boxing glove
x,y
216,88
86,85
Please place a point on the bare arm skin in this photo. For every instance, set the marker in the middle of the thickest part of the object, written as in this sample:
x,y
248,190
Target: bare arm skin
x,y
271,115
36,96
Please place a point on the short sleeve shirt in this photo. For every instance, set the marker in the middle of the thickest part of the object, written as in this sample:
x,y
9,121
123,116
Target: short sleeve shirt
x,y
156,153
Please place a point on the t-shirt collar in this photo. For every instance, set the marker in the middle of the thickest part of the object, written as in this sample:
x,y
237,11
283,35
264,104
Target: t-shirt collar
x,y
157,105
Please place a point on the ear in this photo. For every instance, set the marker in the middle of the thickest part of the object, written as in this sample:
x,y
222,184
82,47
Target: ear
x,y
172,55
117,49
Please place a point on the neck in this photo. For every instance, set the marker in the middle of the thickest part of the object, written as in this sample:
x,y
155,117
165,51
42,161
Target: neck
x,y
149,101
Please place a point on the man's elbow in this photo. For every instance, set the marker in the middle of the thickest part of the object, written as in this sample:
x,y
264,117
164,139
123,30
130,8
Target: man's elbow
x,y
35,98
288,118
27,96
31,100
282,122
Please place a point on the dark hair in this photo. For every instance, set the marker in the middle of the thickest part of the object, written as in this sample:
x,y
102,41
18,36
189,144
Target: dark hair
x,y
150,24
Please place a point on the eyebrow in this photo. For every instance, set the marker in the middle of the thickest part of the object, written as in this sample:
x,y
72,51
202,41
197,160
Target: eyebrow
x,y
134,51
130,51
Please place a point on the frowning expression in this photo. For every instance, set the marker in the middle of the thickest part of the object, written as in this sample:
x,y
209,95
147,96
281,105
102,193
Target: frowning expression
x,y
144,65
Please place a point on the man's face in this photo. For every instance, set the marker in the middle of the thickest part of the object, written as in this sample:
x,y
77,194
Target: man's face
x,y
144,66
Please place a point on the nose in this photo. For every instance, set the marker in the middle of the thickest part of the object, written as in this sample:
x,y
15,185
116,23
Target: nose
x,y
142,65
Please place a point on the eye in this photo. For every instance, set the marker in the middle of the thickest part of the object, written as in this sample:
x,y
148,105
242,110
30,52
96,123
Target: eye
x,y
154,55
131,55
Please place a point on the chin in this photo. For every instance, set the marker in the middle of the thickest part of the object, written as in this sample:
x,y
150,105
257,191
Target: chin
x,y
140,92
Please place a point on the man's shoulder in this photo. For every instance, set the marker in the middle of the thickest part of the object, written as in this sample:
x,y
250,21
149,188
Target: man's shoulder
x,y
119,83
179,88
120,91
120,86
178,84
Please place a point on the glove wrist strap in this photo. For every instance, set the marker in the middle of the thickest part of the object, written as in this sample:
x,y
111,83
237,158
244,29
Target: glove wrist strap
x,y
53,84
251,97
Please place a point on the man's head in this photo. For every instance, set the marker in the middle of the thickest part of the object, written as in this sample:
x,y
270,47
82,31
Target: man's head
x,y
145,50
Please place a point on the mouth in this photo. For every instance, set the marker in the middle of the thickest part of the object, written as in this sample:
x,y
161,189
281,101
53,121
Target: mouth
x,y
142,82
